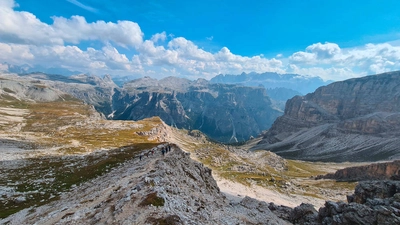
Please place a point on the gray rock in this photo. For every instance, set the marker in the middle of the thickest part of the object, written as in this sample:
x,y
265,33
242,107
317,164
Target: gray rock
x,y
375,171
352,120
227,113
366,208
304,214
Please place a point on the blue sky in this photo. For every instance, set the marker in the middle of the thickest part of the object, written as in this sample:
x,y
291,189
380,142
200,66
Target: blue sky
x,y
331,39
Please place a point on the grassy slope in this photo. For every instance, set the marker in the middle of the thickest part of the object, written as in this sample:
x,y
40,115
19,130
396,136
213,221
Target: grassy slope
x,y
295,179
56,134
62,135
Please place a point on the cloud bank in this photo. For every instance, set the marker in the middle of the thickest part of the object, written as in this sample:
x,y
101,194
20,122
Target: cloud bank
x,y
24,39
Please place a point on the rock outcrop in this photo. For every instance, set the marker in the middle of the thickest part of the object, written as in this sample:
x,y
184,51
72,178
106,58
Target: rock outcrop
x,y
375,202
372,203
170,189
352,120
376,171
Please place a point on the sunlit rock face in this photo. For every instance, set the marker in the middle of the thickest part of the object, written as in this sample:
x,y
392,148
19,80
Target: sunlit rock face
x,y
226,113
352,120
280,87
375,171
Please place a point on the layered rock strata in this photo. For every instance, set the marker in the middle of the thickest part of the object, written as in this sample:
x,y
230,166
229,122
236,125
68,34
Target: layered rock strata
x,y
226,113
352,120
376,171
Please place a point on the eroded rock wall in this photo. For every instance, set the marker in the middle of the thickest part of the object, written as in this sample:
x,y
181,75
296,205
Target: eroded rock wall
x,y
376,171
352,120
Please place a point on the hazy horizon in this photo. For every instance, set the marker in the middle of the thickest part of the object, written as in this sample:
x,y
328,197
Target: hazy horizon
x,y
334,40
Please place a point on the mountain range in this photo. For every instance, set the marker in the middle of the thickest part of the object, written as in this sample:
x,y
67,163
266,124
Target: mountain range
x,y
22,69
270,80
352,120
280,87
225,112
64,163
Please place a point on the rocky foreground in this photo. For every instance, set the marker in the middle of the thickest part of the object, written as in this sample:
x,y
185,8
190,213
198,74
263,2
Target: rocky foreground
x,y
173,189
373,202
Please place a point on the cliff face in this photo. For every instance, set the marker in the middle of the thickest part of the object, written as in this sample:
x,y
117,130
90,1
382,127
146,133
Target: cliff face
x,y
280,87
376,171
226,113
352,120
350,99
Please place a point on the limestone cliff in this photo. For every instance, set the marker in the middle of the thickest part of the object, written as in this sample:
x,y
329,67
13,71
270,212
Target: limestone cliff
x,y
376,171
352,120
227,113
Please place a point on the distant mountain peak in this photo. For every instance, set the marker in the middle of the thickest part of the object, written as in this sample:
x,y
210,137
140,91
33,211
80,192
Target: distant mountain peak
x,y
25,68
270,80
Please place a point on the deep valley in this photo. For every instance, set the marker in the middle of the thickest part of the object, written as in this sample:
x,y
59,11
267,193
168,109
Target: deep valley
x,y
64,162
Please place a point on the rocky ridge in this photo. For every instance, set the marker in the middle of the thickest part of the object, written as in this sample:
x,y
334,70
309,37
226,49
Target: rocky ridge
x,y
174,189
32,91
246,210
352,120
170,189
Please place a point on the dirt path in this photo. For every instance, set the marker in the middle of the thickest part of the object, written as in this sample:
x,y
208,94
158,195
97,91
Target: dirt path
x,y
236,191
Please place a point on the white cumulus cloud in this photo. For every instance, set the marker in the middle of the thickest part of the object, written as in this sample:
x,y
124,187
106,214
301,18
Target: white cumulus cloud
x,y
24,27
24,39
159,37
324,51
332,62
